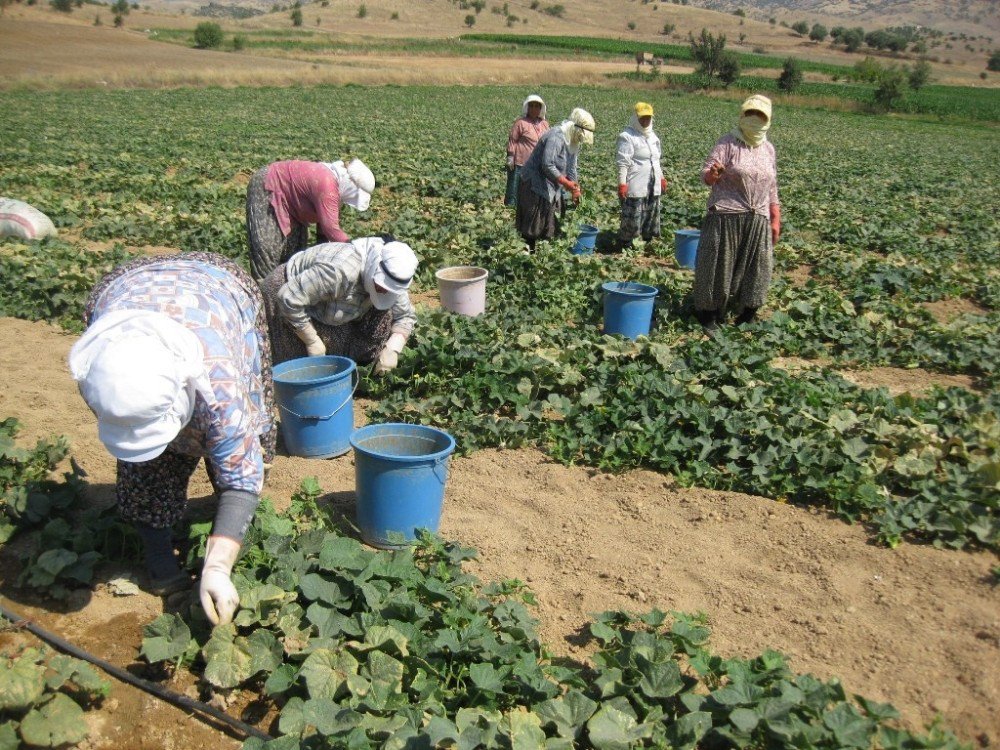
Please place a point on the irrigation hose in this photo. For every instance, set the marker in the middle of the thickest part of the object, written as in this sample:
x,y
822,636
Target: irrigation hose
x,y
181,701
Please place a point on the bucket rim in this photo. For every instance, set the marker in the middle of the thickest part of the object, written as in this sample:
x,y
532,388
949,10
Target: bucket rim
x,y
636,290
384,428
480,274
291,365
588,228
687,232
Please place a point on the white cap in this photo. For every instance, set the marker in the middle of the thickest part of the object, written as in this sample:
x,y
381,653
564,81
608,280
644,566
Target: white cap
x,y
137,390
394,272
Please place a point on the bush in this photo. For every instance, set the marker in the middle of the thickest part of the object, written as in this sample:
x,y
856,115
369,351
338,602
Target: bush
x,y
631,25
555,10
801,27
994,62
362,10
296,16
818,32
239,42
853,39
891,88
707,50
394,16
729,68
920,75
867,70
63,6
470,20
791,75
207,35
668,29
119,20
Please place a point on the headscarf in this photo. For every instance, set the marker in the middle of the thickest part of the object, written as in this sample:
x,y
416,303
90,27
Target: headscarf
x,y
139,372
751,130
529,100
391,265
578,129
355,182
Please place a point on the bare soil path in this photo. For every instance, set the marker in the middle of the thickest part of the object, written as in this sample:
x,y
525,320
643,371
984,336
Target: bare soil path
x,y
916,626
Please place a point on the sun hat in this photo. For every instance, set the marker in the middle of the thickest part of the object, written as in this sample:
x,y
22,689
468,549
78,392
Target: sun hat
x,y
135,387
758,102
393,272
643,109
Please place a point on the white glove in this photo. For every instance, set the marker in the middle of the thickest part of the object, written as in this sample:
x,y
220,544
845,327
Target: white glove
x,y
314,346
218,594
510,162
389,356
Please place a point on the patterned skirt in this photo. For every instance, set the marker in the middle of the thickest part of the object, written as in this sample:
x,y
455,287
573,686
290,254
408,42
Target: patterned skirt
x,y
155,492
268,244
537,217
640,216
735,261
361,340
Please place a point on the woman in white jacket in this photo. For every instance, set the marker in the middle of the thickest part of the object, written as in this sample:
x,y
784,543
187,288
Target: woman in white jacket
x,y
640,178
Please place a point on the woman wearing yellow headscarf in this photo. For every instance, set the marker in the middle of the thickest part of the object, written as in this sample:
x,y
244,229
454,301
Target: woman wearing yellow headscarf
x,y
736,251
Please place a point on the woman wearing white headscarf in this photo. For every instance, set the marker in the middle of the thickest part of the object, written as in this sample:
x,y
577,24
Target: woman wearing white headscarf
x,y
176,366
285,197
736,250
640,178
345,298
524,135
550,169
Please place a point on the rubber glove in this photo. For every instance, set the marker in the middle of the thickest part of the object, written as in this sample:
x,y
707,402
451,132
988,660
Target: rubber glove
x,y
510,162
314,346
389,357
713,174
567,183
623,191
663,185
577,194
218,594
775,223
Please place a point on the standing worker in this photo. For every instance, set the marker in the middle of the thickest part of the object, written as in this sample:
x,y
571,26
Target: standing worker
x,y
524,135
284,198
640,178
550,169
343,298
176,366
736,250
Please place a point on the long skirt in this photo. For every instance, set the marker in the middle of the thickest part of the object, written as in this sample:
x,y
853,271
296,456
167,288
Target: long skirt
x,y
361,340
640,216
155,492
513,180
537,216
268,244
735,260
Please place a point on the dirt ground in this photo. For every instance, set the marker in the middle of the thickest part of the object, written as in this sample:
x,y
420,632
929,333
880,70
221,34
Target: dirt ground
x,y
916,626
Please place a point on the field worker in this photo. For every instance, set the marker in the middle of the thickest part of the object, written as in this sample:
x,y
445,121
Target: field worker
x,y
524,135
735,253
176,366
551,168
344,298
640,178
284,198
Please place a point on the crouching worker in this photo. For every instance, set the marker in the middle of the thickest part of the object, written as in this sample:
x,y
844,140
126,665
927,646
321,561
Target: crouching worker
x,y
176,365
349,299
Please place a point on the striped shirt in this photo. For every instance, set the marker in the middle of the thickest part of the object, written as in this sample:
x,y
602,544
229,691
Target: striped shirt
x,y
325,283
208,301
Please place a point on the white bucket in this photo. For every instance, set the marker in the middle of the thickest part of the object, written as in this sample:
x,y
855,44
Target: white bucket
x,y
463,289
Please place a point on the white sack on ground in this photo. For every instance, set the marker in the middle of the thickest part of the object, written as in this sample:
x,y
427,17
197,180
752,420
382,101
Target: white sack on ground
x,y
18,219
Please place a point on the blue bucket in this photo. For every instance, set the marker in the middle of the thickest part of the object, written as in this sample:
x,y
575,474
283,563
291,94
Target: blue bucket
x,y
628,308
686,247
585,240
315,400
400,471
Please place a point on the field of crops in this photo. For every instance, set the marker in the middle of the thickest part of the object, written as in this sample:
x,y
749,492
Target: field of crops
x,y
885,219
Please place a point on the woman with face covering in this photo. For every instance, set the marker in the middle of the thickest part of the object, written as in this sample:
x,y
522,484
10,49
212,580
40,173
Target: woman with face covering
x,y
550,169
524,135
640,178
284,198
735,253
176,366
343,298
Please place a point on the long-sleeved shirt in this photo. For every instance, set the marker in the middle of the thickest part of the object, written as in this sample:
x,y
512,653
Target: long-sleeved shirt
x,y
550,160
325,283
750,182
524,135
305,192
208,301
637,157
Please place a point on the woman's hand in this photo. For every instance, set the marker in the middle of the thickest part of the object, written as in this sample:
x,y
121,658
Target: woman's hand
x,y
663,185
714,173
623,191
775,211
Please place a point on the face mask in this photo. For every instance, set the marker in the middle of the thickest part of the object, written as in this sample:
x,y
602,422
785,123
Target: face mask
x,y
753,130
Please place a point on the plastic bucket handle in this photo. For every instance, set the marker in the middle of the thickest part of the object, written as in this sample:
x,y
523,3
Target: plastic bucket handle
x,y
355,376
